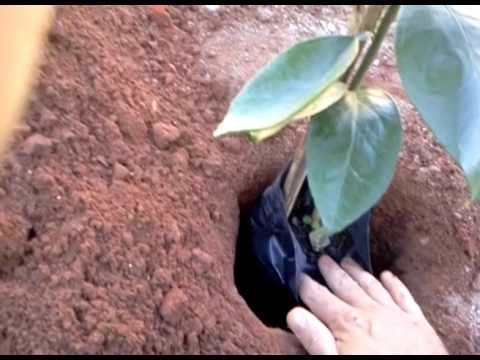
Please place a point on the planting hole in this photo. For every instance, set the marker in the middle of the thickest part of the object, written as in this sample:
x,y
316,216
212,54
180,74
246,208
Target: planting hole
x,y
272,304
267,302
386,230
383,256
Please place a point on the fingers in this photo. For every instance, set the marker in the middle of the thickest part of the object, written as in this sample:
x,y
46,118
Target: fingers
x,y
325,305
400,294
312,333
368,282
341,283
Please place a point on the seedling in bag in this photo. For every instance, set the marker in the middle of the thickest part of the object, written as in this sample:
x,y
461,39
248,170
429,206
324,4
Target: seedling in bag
x,y
354,136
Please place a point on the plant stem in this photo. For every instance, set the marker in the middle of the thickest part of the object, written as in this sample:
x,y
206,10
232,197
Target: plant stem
x,y
386,21
295,177
296,174
371,15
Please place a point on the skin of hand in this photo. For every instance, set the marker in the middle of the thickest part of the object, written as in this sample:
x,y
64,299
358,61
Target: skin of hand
x,y
360,315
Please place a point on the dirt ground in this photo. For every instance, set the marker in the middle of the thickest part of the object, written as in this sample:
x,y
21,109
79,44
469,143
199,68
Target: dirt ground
x,y
119,212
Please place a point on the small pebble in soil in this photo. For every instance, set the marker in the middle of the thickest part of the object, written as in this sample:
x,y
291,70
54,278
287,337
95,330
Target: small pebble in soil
x,y
23,129
192,341
162,276
331,27
162,18
183,255
154,105
202,256
168,78
158,297
422,174
264,15
210,116
120,172
212,7
211,54
164,135
215,215
47,117
64,134
36,144
173,305
158,9
181,158
101,159
233,145
424,241
476,282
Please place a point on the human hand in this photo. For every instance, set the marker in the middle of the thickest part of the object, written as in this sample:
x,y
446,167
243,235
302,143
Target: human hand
x,y
361,315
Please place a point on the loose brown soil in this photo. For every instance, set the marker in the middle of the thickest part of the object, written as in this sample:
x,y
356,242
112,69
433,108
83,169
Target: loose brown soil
x,y
119,212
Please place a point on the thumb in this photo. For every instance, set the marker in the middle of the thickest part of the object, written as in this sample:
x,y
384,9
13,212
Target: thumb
x,y
311,332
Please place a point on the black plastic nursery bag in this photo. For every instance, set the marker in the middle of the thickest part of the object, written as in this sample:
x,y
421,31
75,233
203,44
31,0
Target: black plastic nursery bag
x,y
275,251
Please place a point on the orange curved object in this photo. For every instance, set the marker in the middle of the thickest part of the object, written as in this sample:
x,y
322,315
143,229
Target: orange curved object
x,y
23,30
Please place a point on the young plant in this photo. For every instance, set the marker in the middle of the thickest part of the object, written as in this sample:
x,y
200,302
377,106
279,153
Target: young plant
x,y
354,134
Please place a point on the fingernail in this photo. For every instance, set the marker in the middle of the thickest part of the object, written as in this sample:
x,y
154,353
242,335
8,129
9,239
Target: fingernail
x,y
302,280
325,262
322,259
388,274
297,319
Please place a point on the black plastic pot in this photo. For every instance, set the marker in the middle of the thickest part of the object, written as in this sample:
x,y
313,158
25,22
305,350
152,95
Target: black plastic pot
x,y
272,251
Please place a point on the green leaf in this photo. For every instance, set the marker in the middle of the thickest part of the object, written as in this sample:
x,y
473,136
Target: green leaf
x,y
289,84
351,153
438,57
328,97
257,136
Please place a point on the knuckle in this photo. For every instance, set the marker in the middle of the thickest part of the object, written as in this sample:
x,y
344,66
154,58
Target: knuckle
x,y
369,282
362,322
342,279
402,297
303,288
353,319
310,291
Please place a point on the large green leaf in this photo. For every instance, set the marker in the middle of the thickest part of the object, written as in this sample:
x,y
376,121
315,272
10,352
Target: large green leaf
x,y
351,152
329,96
289,84
438,56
